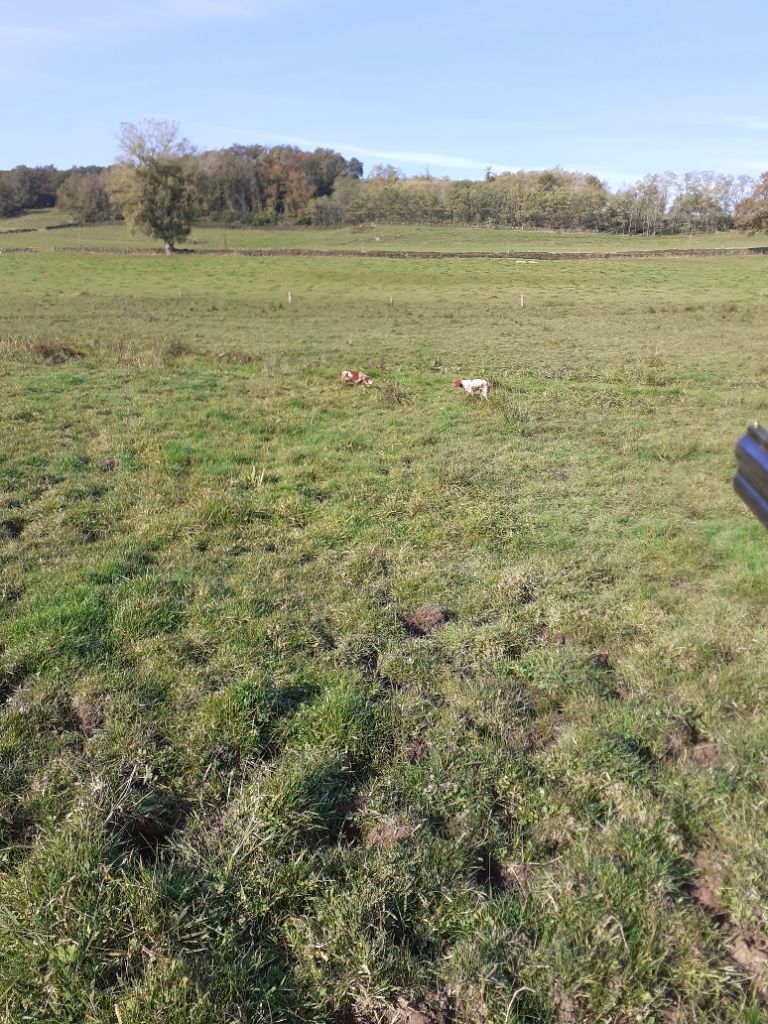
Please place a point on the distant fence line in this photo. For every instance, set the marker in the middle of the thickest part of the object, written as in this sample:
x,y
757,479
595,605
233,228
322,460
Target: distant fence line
x,y
58,227
760,250
45,227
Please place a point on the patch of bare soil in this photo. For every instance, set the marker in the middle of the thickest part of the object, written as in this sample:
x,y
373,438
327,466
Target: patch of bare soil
x,y
750,951
707,884
387,833
417,749
678,740
517,876
89,717
424,620
683,743
438,1009
748,947
566,1008
704,754
601,660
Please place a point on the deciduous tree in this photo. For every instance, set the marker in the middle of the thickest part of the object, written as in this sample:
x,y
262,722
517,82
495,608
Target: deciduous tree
x,y
751,214
152,184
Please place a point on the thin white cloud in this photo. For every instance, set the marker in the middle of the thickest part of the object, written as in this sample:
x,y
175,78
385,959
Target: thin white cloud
x,y
415,157
228,134
351,149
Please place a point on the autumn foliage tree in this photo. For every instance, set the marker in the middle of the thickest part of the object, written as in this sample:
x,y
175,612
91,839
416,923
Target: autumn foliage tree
x,y
152,184
751,214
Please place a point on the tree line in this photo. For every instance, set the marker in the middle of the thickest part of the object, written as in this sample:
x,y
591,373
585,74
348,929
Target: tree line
x,y
554,199
259,185
238,185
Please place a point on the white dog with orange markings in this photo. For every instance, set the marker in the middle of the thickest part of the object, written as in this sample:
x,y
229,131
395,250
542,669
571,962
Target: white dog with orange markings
x,y
473,387
355,377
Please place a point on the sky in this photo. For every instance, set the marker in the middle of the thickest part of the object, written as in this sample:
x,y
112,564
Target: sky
x,y
616,88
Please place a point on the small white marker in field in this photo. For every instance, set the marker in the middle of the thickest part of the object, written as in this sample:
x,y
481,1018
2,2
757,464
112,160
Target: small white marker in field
x,y
391,300
289,298
522,299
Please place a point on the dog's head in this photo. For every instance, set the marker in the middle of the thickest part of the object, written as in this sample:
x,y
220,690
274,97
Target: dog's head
x,y
456,384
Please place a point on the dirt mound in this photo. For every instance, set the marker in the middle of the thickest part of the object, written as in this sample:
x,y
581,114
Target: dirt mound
x,y
750,951
417,749
704,754
749,948
424,619
436,1010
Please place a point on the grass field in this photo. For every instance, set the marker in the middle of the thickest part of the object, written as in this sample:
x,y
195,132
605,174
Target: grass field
x,y
236,786
366,238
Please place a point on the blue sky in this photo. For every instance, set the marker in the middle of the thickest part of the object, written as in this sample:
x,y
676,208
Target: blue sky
x,y
614,88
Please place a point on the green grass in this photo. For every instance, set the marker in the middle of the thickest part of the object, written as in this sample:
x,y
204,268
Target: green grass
x,y
235,788
34,220
367,238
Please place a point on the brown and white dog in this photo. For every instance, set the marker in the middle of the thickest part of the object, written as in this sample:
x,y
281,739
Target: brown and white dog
x,y
473,387
355,377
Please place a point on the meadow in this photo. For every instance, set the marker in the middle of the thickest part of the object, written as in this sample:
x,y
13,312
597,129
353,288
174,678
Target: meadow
x,y
238,783
33,231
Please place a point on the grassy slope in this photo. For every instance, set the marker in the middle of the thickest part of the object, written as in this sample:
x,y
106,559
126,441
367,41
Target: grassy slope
x,y
365,239
235,788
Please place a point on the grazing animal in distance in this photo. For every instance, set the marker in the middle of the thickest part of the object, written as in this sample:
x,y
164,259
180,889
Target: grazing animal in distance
x,y
473,387
355,377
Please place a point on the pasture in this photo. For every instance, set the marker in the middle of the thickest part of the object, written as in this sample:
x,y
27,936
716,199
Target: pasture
x,y
237,786
34,231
